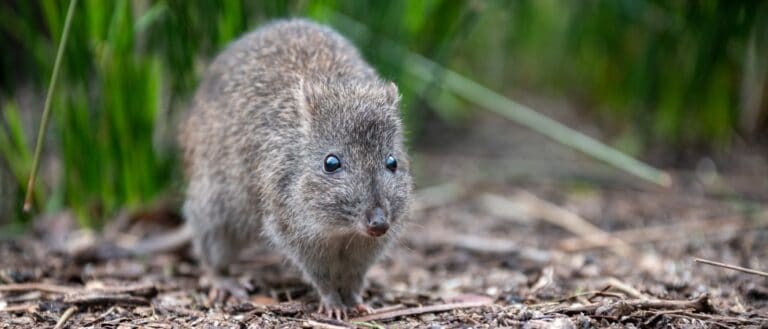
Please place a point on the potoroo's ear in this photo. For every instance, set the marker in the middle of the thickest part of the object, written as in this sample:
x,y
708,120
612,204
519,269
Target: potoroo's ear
x,y
393,94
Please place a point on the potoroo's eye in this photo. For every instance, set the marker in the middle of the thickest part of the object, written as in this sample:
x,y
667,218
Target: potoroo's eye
x,y
331,164
391,163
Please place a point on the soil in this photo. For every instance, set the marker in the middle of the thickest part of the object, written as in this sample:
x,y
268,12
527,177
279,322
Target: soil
x,y
508,230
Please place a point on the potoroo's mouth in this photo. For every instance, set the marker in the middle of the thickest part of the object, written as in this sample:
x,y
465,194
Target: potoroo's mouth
x,y
376,232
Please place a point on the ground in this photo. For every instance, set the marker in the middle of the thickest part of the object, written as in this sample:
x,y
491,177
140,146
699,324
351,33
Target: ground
x,y
507,230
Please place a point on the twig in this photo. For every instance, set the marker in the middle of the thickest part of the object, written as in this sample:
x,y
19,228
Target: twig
x,y
421,310
683,231
388,308
168,309
592,295
536,207
369,325
625,288
101,317
65,317
725,318
480,244
140,289
546,279
47,106
732,267
606,294
657,314
174,240
24,297
323,325
44,287
601,291
20,308
104,299
688,316
372,325
700,304
79,296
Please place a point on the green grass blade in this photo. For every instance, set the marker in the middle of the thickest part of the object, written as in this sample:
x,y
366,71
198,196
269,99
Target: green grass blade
x,y
47,108
494,102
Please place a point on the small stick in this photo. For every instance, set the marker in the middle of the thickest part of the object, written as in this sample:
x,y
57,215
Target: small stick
x,y
683,232
592,295
44,287
323,325
536,207
688,317
658,314
139,289
167,309
102,299
732,267
369,325
546,279
19,308
606,294
625,288
599,293
388,309
725,318
421,310
101,317
700,304
65,317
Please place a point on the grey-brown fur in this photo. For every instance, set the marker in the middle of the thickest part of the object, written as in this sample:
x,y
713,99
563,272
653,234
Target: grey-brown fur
x,y
269,110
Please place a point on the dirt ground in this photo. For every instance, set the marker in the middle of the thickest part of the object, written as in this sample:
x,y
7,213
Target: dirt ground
x,y
508,230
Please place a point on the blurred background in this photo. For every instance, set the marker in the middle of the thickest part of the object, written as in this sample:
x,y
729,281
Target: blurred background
x,y
681,85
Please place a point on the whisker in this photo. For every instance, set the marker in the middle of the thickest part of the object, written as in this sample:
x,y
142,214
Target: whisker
x,y
351,237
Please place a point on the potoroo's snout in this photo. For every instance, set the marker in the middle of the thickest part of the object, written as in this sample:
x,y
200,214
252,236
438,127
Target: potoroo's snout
x,y
377,224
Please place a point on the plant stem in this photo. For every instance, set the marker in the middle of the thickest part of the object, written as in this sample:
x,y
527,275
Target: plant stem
x,y
47,107
523,115
732,267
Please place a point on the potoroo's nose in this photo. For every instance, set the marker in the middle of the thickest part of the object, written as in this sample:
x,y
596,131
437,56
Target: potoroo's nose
x,y
377,223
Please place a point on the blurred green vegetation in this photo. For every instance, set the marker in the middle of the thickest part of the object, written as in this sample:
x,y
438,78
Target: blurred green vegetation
x,y
651,72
